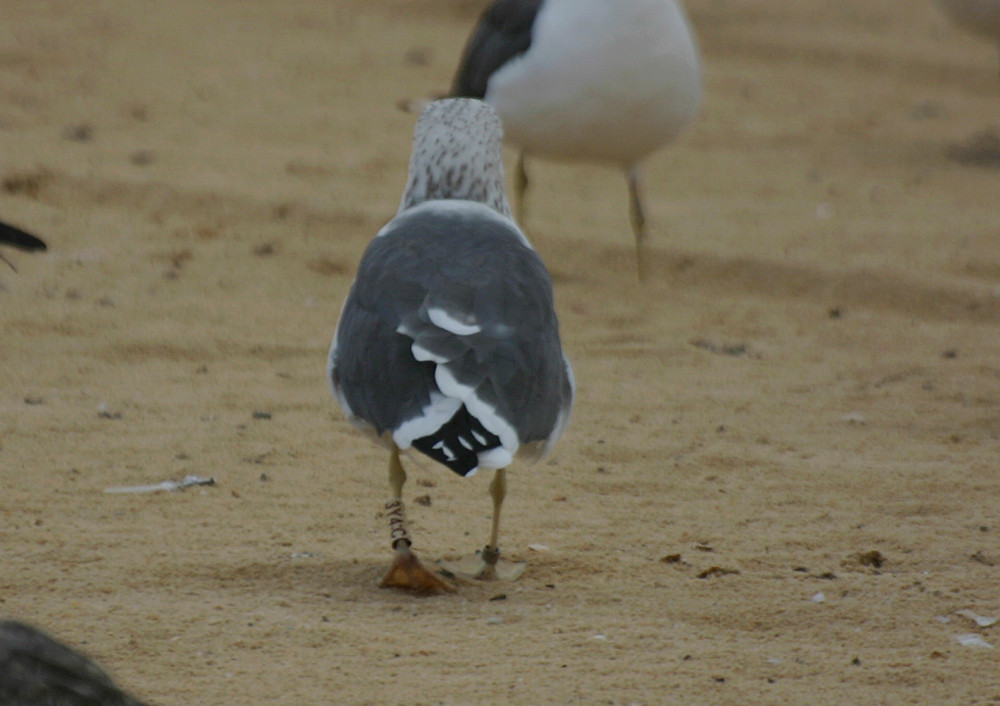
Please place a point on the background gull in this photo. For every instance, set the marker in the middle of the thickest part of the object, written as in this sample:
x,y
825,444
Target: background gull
x,y
448,341
980,17
595,80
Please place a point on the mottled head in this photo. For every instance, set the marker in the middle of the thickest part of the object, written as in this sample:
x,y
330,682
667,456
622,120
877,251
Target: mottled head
x,y
456,155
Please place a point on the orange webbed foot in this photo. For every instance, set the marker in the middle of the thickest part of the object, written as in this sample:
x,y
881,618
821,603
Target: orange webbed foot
x,y
409,574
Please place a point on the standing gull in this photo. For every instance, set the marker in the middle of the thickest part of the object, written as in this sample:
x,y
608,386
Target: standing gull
x,y
448,341
594,80
980,17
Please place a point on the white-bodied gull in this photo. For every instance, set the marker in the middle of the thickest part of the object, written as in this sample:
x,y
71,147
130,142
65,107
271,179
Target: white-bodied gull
x,y
594,80
448,342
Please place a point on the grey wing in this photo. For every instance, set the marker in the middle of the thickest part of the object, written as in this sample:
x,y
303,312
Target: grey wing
x,y
502,33
373,371
36,670
465,314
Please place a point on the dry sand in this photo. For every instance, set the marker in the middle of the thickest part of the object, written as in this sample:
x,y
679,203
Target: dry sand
x,y
803,404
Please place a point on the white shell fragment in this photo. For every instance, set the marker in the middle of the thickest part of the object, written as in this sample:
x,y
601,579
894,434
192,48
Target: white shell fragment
x,y
165,485
980,620
818,597
971,639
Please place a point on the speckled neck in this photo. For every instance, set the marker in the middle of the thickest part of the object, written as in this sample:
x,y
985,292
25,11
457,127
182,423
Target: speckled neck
x,y
457,155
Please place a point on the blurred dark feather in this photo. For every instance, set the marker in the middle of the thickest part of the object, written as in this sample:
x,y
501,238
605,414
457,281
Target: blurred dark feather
x,y
9,235
36,670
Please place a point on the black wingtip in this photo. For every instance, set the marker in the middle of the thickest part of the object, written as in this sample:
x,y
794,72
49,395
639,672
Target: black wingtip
x,y
457,443
10,235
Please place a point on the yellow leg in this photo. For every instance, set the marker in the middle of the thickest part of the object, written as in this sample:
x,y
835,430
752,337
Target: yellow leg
x,y
397,475
521,191
498,491
406,571
487,564
637,216
394,506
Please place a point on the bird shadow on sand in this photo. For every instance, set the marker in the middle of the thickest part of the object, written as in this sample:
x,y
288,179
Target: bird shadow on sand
x,y
293,578
589,264
305,580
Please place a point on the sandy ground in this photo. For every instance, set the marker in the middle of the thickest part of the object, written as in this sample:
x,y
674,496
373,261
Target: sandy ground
x,y
781,479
